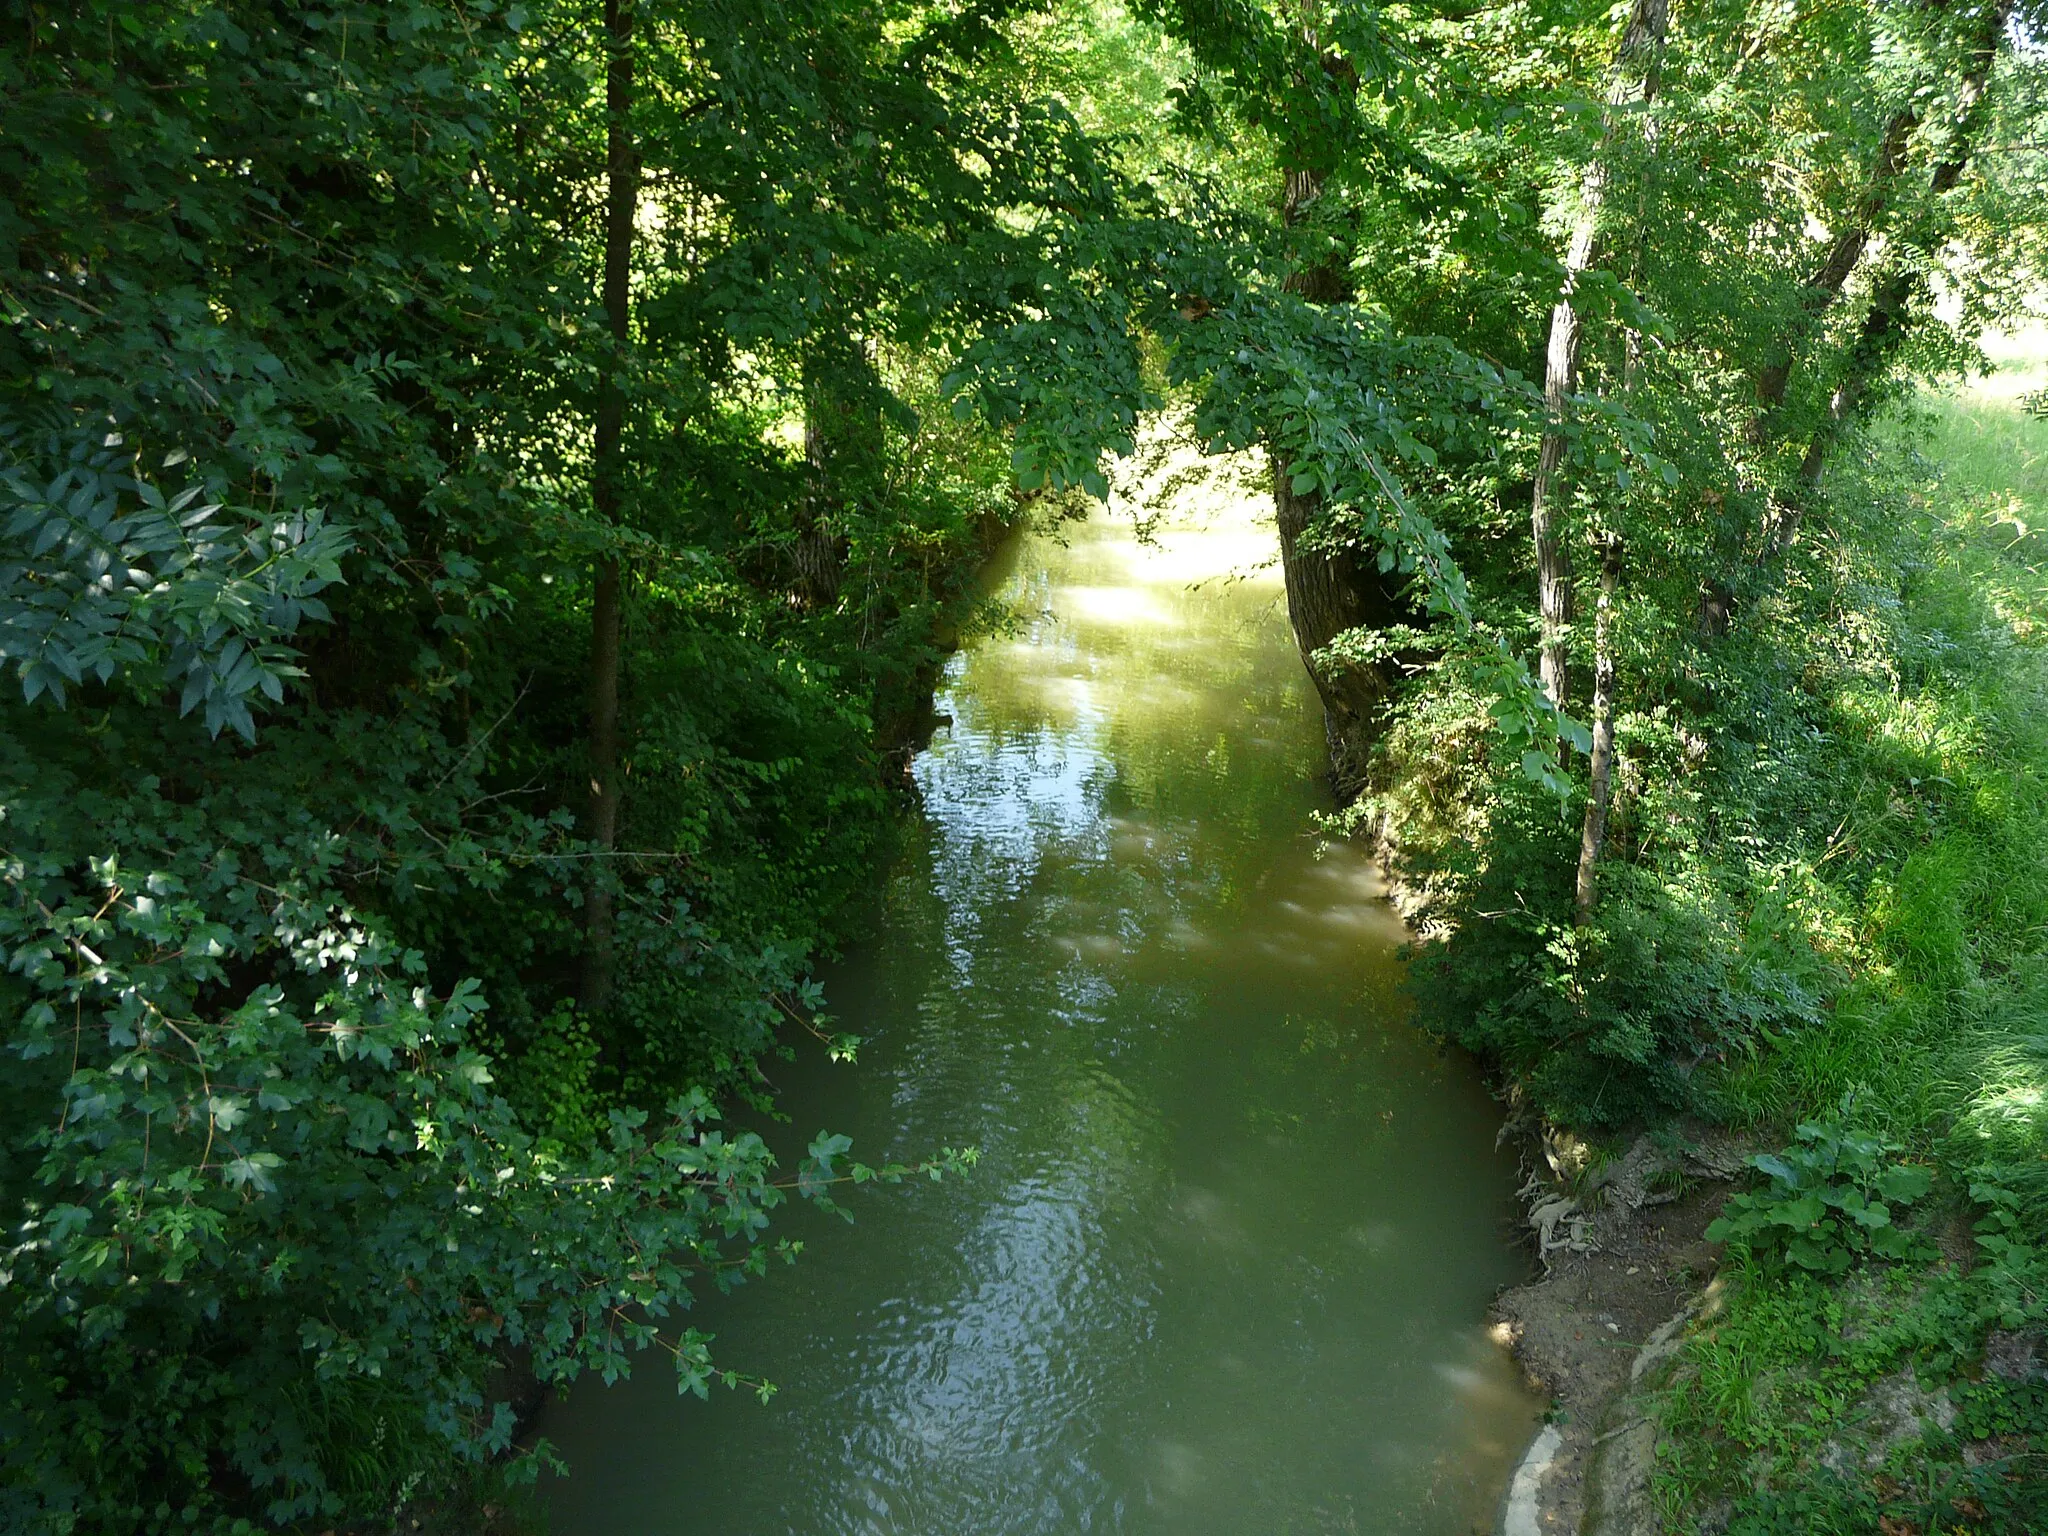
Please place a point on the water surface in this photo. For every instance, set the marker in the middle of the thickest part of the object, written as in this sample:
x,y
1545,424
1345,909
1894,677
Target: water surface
x,y
1223,1267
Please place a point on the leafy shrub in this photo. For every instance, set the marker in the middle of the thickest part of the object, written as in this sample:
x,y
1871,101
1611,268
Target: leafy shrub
x,y
263,1183
2013,1274
103,575
1829,1201
1606,1025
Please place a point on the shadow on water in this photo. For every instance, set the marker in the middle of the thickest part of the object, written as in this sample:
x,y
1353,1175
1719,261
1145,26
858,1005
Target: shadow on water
x,y
1223,1266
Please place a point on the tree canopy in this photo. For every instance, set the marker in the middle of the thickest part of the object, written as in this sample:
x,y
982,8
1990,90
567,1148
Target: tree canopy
x,y
486,490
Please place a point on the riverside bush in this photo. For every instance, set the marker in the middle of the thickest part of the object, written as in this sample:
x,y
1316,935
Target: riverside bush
x,y
1830,1200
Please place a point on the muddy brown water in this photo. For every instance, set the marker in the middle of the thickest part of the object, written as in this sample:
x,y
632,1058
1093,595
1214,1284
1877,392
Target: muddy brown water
x,y
1224,1264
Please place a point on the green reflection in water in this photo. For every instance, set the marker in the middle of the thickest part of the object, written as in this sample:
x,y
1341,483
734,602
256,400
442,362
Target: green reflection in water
x,y
1223,1266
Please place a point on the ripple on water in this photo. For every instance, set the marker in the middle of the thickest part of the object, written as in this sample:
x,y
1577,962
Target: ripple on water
x,y
1222,1265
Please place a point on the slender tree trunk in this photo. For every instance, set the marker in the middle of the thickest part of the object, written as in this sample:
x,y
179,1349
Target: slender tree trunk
x,y
1593,833
1600,779
842,434
601,820
1886,321
1884,325
819,552
1640,41
1553,558
1825,286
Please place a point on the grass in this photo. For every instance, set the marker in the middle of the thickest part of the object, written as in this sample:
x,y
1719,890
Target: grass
x,y
1930,898
1989,450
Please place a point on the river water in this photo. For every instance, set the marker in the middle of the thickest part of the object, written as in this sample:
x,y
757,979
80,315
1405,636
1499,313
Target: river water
x,y
1223,1267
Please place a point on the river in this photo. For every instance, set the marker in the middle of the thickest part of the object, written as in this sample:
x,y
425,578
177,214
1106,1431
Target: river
x,y
1223,1267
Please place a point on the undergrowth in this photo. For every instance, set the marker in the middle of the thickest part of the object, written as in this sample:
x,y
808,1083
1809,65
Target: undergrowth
x,y
1911,848
1828,886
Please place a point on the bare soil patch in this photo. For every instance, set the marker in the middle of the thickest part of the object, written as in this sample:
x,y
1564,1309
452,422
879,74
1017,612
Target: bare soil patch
x,y
1627,1264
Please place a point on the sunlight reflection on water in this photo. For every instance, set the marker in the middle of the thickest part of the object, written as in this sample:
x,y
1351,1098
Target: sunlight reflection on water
x,y
1224,1265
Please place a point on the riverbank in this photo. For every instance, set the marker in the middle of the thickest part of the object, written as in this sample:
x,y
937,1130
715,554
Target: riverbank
x,y
1626,1266
1831,912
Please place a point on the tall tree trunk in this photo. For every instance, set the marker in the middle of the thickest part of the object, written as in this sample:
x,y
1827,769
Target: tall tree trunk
x,y
1593,831
1553,558
1600,777
1600,790
1633,74
1884,326
1329,589
1825,286
819,553
842,438
601,819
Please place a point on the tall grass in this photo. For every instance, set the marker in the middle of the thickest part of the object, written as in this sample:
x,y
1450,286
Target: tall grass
x,y
1994,482
1916,859
1928,885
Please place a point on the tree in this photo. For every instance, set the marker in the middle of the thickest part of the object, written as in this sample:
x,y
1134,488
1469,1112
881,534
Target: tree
x,y
1634,81
1277,354
622,201
1642,44
1922,237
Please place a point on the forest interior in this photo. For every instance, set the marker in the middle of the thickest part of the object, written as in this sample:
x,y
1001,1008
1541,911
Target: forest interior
x,y
488,490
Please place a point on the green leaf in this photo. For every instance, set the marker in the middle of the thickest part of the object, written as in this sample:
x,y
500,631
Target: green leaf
x,y
253,1169
227,1112
1904,1183
1802,1212
1776,1167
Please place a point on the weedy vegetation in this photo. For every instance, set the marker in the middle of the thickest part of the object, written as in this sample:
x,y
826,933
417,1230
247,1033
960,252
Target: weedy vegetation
x,y
486,489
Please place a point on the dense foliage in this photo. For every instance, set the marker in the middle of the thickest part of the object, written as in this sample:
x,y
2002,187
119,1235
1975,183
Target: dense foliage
x,y
313,1156
485,488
